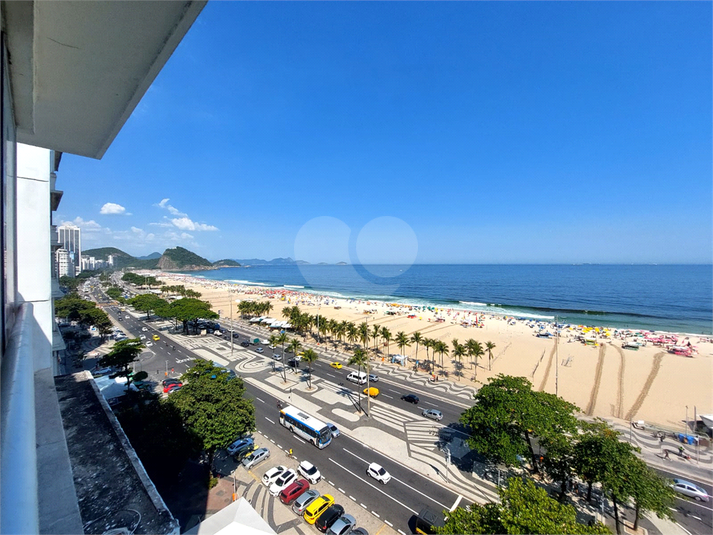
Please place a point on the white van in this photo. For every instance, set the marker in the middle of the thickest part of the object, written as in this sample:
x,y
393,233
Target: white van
x,y
357,377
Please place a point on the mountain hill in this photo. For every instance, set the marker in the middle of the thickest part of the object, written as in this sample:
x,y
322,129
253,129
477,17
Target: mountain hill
x,y
179,258
149,256
227,262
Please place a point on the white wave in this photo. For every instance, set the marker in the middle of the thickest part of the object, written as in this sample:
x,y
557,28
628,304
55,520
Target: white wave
x,y
472,303
293,286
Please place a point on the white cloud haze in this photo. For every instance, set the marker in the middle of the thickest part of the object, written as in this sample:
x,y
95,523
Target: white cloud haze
x,y
111,208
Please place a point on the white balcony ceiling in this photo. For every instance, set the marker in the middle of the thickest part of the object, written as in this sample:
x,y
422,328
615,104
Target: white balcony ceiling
x,y
79,68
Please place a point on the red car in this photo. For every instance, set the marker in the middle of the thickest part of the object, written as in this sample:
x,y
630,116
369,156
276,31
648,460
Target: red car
x,y
294,491
169,386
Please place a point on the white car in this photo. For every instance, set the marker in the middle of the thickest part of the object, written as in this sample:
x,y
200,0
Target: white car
x,y
259,349
272,474
142,337
149,344
377,472
286,478
690,489
309,472
145,329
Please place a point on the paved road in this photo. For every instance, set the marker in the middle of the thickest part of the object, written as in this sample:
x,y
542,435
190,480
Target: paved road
x,y
344,462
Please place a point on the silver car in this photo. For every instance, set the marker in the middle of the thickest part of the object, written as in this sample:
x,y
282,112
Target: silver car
x,y
342,526
256,457
304,500
691,490
433,414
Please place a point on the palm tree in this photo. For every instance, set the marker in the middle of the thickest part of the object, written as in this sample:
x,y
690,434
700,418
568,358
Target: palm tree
x,y
309,356
489,346
441,347
402,341
364,334
360,359
475,349
287,312
458,352
352,333
386,335
428,344
376,331
417,338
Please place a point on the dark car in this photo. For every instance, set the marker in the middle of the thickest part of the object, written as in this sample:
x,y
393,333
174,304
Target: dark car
x,y
329,517
294,491
411,398
236,335
293,363
244,344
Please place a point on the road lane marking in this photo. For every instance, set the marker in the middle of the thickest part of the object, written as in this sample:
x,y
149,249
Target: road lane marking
x,y
394,391
298,438
397,479
432,404
341,490
261,401
272,441
374,513
455,504
402,533
364,506
268,419
389,523
372,486
352,498
387,396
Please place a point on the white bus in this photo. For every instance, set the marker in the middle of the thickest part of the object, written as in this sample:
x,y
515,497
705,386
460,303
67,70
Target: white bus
x,y
306,426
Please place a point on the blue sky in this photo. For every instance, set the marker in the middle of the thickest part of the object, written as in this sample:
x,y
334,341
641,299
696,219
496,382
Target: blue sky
x,y
464,132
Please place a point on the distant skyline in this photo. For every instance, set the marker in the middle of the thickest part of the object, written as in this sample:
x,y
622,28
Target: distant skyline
x,y
425,132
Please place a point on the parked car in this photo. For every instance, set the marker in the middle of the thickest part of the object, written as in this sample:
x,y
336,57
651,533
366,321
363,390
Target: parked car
x,y
360,531
293,491
433,414
244,451
343,525
309,472
293,363
411,398
285,479
272,474
690,489
336,365
373,378
317,507
238,444
333,428
259,349
277,356
329,517
371,392
304,501
170,385
174,388
377,472
255,458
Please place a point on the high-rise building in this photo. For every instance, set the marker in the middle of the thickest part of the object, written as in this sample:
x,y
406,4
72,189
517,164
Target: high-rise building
x,y
63,264
70,238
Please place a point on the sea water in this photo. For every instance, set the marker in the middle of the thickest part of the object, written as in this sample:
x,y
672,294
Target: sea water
x,y
675,298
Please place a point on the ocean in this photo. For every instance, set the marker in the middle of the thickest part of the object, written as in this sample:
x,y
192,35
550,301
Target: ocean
x,y
675,298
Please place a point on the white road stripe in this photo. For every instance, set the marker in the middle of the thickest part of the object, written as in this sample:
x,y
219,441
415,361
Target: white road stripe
x,y
374,513
353,498
298,438
387,396
402,533
389,523
432,404
455,504
372,486
268,419
364,506
261,401
341,490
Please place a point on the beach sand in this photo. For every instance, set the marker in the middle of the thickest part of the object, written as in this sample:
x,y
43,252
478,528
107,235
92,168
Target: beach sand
x,y
649,384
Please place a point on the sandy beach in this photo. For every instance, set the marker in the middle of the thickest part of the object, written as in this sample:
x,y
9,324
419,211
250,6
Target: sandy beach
x,y
603,380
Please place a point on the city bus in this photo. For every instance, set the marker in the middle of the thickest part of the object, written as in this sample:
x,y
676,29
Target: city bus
x,y
306,426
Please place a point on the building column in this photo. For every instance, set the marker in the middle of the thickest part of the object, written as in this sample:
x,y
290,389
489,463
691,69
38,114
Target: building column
x,y
34,262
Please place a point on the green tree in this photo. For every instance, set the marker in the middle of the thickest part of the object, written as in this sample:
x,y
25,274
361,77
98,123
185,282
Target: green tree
x,y
650,492
359,359
507,414
190,309
147,303
459,351
212,406
114,292
524,508
122,355
386,336
475,350
69,283
309,356
294,346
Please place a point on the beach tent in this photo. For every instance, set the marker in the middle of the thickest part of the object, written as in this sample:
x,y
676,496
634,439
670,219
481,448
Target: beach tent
x,y
237,518
399,359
